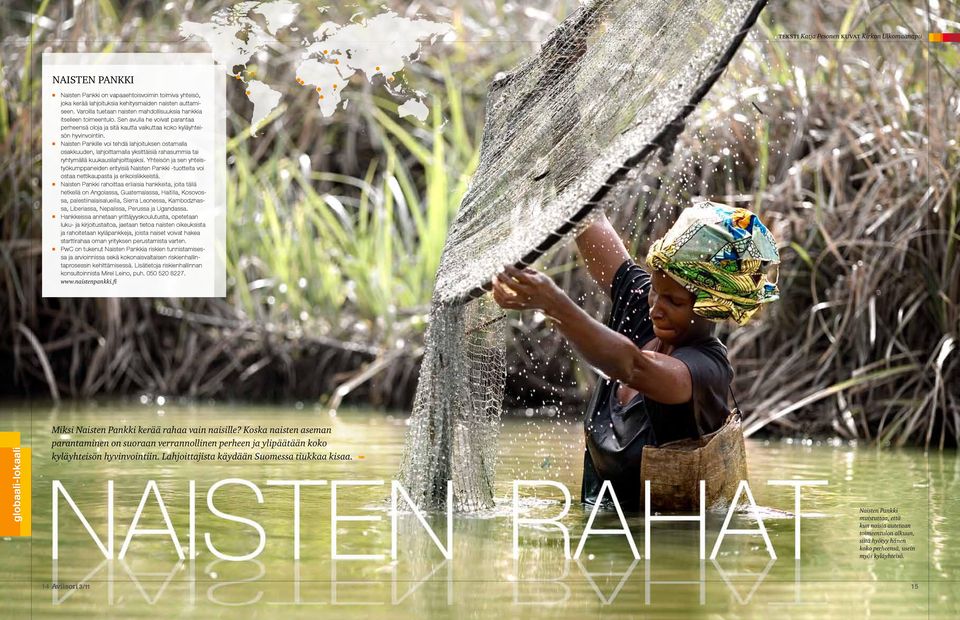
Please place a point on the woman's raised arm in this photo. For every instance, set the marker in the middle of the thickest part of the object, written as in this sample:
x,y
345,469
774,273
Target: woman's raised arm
x,y
603,251
661,377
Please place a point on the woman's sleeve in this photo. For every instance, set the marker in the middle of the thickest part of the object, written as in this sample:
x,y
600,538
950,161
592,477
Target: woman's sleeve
x,y
710,377
629,291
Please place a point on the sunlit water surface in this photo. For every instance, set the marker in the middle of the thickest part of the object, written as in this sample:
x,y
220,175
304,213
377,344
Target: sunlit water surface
x,y
483,579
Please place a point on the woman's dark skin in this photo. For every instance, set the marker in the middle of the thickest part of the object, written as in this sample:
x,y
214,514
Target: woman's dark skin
x,y
648,371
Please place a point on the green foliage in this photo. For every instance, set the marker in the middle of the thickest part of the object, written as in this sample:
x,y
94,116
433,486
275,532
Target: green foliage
x,y
336,226
325,243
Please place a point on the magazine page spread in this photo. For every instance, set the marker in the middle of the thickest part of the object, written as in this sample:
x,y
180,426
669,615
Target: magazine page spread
x,y
562,309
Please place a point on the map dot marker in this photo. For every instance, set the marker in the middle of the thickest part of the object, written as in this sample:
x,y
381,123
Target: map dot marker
x,y
248,93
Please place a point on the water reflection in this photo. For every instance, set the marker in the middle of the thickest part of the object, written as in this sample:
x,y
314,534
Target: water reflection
x,y
247,583
483,578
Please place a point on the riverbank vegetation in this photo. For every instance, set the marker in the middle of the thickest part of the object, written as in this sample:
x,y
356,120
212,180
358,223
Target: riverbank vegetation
x,y
847,148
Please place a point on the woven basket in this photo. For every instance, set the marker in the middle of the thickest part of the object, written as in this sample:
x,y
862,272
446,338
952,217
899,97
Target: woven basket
x,y
676,468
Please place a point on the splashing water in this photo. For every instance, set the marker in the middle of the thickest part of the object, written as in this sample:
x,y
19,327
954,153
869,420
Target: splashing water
x,y
564,133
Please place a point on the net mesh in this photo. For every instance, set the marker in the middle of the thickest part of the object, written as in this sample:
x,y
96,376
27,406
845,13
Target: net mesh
x,y
456,412
564,133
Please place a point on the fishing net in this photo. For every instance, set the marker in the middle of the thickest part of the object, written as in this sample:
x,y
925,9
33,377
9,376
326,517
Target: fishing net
x,y
564,133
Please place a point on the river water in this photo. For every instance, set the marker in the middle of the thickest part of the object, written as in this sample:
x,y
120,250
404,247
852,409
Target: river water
x,y
838,573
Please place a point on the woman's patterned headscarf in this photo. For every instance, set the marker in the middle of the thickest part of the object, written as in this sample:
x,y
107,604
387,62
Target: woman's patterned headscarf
x,y
721,255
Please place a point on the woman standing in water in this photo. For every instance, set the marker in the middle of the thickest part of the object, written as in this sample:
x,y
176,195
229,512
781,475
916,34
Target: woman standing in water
x,y
667,375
